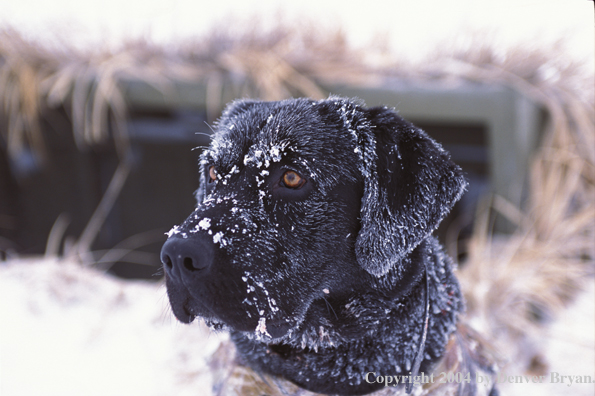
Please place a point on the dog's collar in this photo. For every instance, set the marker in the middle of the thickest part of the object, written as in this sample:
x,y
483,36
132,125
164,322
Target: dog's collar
x,y
422,343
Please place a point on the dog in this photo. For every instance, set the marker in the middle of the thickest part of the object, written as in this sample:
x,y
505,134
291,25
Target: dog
x,y
312,244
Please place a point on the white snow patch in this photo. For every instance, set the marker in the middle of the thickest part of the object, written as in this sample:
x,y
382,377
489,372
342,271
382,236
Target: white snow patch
x,y
175,230
261,328
205,223
69,330
218,238
276,153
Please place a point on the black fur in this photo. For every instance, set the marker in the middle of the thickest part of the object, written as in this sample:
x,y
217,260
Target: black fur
x,y
327,282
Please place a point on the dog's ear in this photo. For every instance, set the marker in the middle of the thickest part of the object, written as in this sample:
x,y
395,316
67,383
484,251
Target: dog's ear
x,y
410,185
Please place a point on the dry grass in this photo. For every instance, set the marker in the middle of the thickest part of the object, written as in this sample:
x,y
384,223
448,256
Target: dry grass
x,y
271,65
511,284
514,286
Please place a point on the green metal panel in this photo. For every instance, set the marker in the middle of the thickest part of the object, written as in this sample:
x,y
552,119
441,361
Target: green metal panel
x,y
513,121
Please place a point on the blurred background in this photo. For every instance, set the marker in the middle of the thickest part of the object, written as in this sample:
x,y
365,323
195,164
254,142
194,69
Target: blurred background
x,y
104,108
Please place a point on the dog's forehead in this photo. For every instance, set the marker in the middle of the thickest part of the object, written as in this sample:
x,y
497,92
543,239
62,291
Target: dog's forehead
x,y
300,131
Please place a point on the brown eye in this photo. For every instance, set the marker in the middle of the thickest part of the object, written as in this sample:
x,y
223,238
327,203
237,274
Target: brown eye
x,y
292,180
212,174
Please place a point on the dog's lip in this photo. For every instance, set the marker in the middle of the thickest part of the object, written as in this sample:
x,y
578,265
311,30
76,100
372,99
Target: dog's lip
x,y
188,317
188,310
277,329
196,309
182,313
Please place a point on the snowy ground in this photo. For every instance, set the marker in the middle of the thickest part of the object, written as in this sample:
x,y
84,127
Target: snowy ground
x,y
67,330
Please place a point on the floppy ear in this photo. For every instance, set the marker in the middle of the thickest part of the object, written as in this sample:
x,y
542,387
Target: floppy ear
x,y
410,186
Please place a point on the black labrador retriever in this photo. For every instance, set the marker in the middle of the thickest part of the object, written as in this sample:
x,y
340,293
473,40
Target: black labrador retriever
x,y
311,243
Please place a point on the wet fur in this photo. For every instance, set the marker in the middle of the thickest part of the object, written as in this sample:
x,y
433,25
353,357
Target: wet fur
x,y
322,284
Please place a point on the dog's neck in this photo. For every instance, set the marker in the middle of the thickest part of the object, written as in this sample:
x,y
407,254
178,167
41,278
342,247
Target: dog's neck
x,y
379,332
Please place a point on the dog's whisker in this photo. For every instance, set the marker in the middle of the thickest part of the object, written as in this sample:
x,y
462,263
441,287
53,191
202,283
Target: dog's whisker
x,y
211,128
328,305
209,135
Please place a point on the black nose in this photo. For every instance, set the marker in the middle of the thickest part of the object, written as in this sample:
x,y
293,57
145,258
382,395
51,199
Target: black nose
x,y
184,257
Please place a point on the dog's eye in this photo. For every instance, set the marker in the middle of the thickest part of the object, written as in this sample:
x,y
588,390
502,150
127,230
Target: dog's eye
x,y
292,180
212,174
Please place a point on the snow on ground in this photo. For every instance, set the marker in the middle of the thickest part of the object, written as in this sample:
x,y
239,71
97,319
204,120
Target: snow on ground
x,y
70,331
67,330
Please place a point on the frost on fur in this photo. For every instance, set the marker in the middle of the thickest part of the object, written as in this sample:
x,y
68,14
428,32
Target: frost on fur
x,y
403,203
321,282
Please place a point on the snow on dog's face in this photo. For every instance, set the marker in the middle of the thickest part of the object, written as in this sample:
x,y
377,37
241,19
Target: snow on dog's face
x,y
277,209
300,201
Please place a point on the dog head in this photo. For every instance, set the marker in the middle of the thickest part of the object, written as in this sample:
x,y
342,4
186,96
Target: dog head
x,y
302,201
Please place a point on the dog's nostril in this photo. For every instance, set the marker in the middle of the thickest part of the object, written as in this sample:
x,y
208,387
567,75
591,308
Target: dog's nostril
x,y
166,261
189,264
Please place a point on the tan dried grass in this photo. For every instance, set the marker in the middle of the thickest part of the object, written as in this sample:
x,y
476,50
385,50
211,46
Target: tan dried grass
x,y
516,284
271,65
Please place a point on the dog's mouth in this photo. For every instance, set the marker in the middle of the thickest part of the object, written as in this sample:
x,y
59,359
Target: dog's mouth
x,y
266,330
186,316
187,309
271,331
188,312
